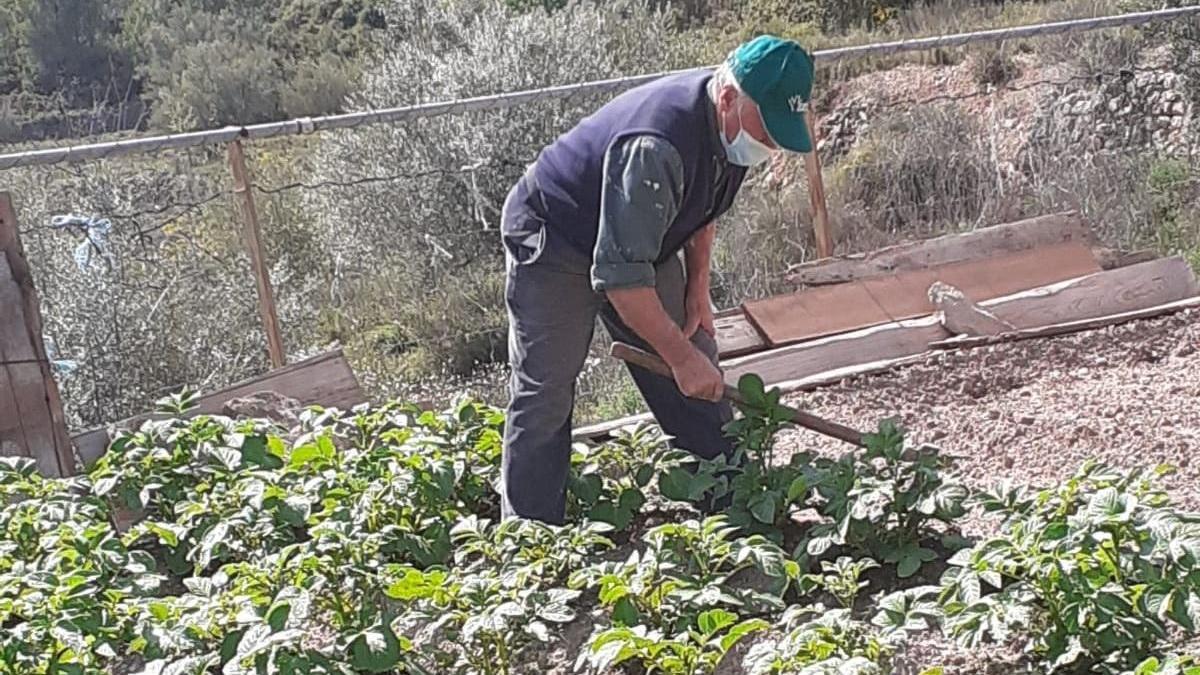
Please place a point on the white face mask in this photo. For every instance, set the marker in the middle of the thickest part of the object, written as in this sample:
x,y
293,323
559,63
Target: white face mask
x,y
744,149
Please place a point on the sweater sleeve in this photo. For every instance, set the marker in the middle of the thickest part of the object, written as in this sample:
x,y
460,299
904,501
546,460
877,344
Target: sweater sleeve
x,y
640,197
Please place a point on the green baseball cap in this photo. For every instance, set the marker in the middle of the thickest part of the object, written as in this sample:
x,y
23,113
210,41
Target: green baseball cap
x,y
777,74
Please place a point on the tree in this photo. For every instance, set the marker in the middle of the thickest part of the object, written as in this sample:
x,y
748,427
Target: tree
x,y
71,46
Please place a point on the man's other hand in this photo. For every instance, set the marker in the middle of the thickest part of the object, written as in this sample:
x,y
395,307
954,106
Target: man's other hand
x,y
697,377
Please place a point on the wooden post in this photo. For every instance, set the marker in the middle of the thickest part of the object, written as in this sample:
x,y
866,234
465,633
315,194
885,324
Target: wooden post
x,y
32,422
816,192
253,238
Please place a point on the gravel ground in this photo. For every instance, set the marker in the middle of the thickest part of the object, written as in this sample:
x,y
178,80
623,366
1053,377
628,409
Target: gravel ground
x,y
1033,411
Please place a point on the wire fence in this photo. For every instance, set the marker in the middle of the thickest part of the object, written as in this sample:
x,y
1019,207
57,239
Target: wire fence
x,y
382,237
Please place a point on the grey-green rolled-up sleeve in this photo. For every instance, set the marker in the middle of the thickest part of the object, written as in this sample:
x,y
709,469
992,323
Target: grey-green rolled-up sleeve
x,y
641,194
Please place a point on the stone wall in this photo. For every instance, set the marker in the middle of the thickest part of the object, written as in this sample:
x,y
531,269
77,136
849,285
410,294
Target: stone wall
x,y
1145,110
1138,111
838,131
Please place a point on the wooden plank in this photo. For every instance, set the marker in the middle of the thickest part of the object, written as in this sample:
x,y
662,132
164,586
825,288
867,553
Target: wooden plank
x,y
1123,289
326,379
253,240
737,336
51,402
1100,294
876,343
814,313
1112,258
1069,326
987,242
1088,300
603,430
795,317
837,375
12,432
25,378
959,315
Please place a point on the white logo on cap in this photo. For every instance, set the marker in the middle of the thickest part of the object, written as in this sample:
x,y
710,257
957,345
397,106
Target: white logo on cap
x,y
797,103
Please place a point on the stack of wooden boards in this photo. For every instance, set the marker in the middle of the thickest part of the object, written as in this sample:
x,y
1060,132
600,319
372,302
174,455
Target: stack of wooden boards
x,y
870,312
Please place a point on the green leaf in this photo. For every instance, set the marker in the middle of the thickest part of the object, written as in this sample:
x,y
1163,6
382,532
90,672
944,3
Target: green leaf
x,y
263,452
167,533
606,512
910,557
208,545
818,545
625,613
377,650
413,585
741,630
631,501
1147,667
306,454
753,390
229,645
587,488
643,475
104,486
714,620
762,506
681,485
259,639
557,612
160,610
797,489
277,615
230,459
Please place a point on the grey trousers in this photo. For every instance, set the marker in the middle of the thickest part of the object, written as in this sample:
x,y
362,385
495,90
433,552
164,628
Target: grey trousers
x,y
552,312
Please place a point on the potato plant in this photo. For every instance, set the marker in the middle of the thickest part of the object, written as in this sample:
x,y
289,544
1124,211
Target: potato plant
x,y
369,541
1092,572
881,501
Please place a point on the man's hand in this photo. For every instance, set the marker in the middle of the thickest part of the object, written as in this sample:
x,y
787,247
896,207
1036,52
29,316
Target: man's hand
x,y
699,315
697,377
642,311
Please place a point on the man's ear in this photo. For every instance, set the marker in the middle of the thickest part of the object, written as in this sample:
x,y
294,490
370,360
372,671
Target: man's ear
x,y
726,98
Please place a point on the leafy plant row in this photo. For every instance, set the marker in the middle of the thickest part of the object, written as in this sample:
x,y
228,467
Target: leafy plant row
x,y
370,542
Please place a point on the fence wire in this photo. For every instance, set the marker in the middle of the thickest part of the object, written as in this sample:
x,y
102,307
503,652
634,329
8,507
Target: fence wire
x,y
354,120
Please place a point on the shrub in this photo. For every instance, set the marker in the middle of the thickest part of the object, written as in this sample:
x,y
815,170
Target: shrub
x,y
918,170
319,86
994,66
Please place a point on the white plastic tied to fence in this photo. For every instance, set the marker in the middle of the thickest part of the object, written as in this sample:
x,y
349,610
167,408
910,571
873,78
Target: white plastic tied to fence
x,y
307,125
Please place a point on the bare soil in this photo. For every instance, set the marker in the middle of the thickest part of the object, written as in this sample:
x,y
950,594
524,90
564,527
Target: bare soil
x,y
1033,412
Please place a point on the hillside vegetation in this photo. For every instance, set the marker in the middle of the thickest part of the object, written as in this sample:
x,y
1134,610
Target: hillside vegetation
x,y
383,239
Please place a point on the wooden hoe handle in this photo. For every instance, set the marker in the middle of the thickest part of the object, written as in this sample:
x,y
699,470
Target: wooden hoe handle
x,y
654,364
